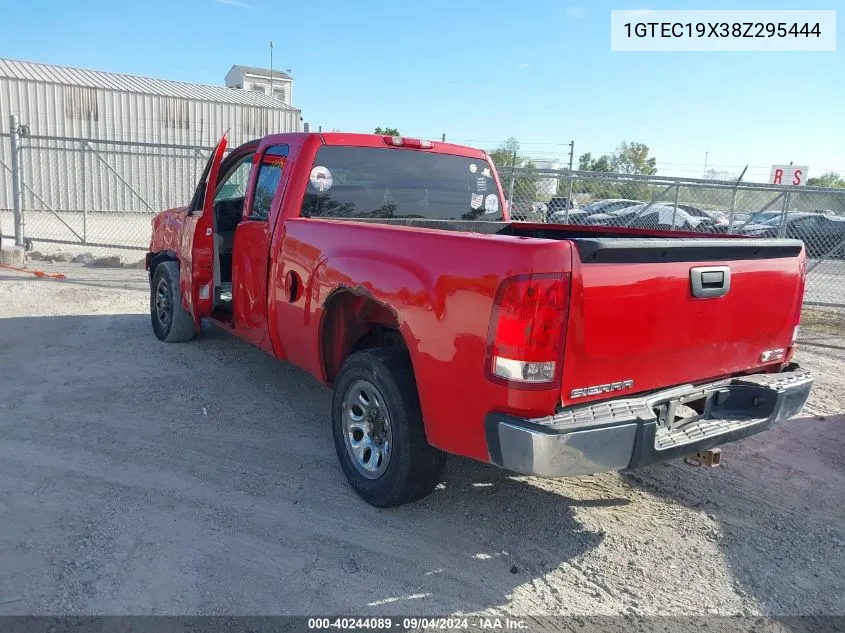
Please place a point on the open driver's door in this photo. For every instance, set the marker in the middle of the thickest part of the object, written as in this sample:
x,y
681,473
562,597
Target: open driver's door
x,y
197,258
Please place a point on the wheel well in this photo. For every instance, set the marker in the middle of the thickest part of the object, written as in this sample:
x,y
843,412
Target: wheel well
x,y
352,322
157,258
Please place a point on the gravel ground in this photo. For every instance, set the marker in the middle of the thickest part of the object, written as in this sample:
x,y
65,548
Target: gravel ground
x,y
138,477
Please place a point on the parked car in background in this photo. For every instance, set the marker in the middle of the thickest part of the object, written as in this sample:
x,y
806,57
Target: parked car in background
x,y
575,216
528,211
559,203
578,216
823,235
750,221
720,219
609,205
558,213
656,216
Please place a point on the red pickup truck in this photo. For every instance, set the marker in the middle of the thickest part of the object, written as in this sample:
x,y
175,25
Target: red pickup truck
x,y
387,268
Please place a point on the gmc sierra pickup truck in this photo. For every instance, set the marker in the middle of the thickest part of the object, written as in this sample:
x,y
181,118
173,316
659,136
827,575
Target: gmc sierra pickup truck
x,y
387,267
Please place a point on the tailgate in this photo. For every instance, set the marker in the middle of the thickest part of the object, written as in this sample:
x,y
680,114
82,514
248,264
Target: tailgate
x,y
652,313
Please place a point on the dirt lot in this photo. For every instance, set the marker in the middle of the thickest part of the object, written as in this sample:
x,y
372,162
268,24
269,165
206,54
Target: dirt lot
x,y
140,477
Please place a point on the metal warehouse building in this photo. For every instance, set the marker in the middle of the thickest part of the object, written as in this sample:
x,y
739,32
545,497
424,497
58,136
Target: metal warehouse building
x,y
97,141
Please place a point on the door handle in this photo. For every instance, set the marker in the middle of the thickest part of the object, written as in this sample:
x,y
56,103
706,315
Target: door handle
x,y
710,281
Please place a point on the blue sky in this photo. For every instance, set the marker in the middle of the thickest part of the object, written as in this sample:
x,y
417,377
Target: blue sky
x,y
477,71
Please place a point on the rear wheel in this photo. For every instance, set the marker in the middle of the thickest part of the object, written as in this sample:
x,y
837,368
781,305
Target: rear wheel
x,y
170,321
378,429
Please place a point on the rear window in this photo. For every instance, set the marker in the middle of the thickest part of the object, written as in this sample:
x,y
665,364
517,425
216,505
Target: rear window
x,y
370,182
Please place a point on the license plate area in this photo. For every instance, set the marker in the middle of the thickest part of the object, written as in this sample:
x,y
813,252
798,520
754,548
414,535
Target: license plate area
x,y
680,412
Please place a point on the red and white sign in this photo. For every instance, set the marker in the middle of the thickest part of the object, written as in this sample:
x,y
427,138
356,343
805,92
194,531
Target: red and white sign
x,y
793,175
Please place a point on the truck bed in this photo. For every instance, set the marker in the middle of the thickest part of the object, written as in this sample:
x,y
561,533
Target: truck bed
x,y
620,245
634,317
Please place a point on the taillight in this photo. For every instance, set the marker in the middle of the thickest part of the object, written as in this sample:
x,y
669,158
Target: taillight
x,y
525,339
401,141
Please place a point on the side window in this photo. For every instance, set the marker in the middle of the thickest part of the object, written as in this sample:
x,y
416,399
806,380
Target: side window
x,y
233,185
267,183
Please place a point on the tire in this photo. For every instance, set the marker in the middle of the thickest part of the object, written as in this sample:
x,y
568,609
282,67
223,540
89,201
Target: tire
x,y
171,322
408,467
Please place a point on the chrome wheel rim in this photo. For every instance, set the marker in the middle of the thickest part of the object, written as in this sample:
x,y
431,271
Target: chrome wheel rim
x,y
162,302
367,429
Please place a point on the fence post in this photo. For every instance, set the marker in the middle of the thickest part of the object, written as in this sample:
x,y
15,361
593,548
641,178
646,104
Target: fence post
x,y
569,175
510,194
677,200
569,195
84,197
17,189
784,215
733,200
733,210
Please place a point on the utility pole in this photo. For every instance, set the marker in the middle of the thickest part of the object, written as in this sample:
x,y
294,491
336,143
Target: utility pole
x,y
271,68
443,139
706,154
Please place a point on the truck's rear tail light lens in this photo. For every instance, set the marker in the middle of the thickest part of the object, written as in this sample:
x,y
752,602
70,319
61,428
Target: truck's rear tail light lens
x,y
401,141
525,339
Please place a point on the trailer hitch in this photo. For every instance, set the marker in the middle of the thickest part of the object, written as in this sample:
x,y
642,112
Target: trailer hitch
x,y
711,457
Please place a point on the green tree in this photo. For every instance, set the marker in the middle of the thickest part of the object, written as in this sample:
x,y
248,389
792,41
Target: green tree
x,y
525,187
633,158
830,179
387,131
506,154
586,162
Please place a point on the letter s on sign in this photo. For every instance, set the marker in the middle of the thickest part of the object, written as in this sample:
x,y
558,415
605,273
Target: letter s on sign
x,y
796,178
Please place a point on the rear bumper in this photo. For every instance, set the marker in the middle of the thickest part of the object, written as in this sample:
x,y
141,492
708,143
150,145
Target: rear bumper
x,y
633,432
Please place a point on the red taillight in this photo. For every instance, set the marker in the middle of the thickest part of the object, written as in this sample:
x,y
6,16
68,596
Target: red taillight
x,y
525,339
401,141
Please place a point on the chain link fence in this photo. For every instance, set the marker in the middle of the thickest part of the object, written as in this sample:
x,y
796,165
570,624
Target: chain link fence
x,y
814,215
81,194
96,194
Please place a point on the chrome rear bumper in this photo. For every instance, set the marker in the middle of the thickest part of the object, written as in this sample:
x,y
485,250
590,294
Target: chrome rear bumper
x,y
633,432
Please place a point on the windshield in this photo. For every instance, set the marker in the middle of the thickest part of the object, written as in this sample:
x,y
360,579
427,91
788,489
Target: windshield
x,y
370,182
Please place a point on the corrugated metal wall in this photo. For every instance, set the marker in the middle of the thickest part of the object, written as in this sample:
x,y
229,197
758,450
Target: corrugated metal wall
x,y
60,110
71,175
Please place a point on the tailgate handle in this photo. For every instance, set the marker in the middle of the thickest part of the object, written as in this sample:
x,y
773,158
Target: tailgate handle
x,y
710,281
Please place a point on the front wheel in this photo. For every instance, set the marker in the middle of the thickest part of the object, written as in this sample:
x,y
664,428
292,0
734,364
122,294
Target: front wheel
x,y
171,322
378,429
